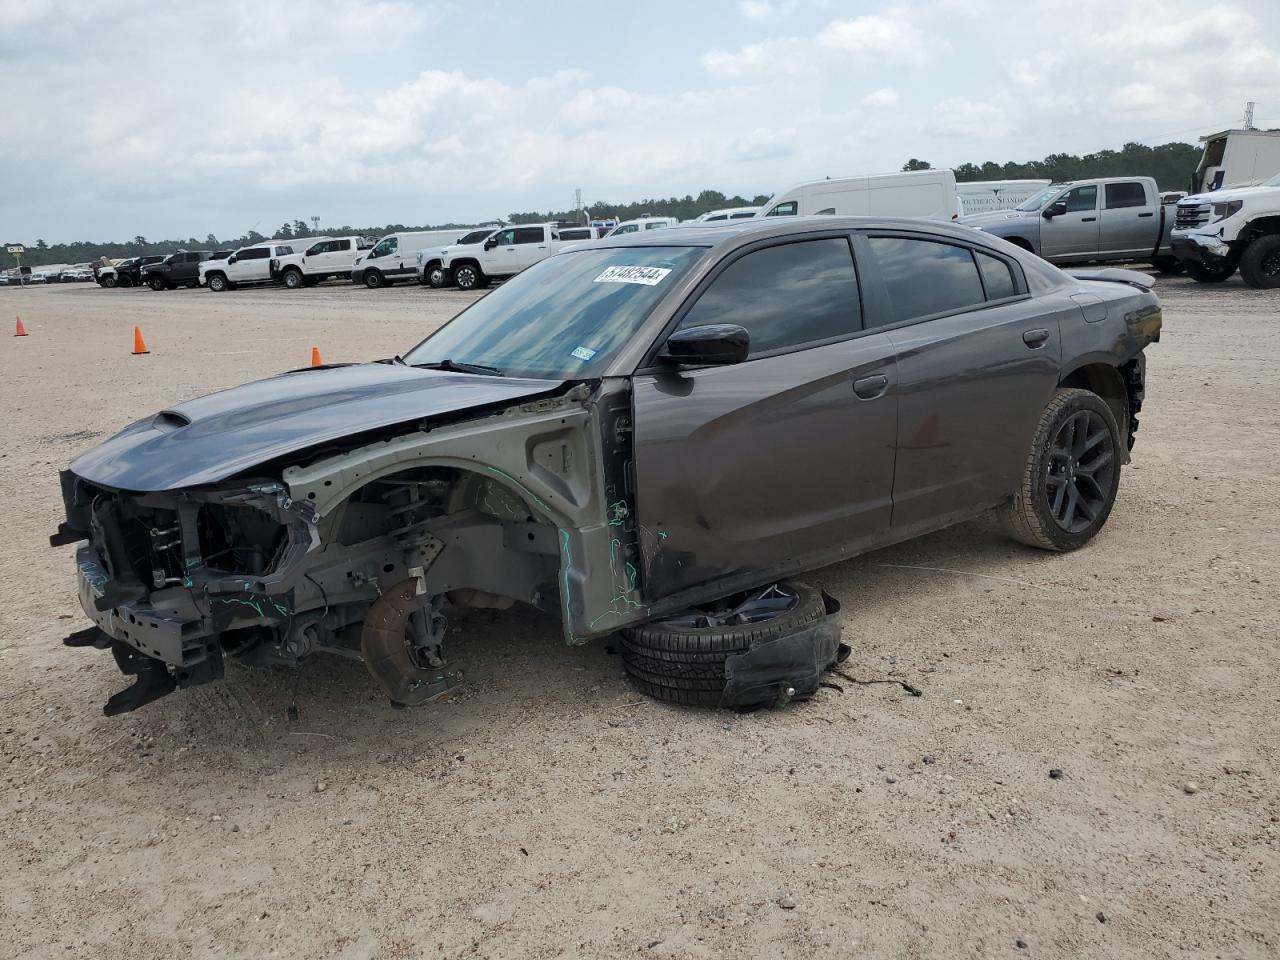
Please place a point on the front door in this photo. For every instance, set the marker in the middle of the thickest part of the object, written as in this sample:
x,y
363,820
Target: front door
x,y
974,372
784,456
251,264
1074,234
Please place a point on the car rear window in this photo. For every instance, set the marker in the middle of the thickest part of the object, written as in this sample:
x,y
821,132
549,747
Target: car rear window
x,y
925,277
997,277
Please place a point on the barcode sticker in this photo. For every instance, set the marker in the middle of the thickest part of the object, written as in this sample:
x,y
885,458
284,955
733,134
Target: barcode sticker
x,y
649,276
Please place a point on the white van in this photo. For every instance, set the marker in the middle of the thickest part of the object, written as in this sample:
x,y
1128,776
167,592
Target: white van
x,y
925,193
395,257
727,214
641,224
989,196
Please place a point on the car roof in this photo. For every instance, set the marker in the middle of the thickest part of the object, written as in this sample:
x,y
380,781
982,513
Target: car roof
x,y
738,232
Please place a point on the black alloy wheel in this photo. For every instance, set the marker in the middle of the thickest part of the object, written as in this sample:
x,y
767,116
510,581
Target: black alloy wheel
x,y
1082,464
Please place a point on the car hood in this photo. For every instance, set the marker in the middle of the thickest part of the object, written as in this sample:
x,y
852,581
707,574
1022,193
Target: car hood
x,y
1231,193
214,437
996,216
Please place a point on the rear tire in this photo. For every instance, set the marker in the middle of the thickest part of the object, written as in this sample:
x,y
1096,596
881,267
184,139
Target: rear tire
x,y
1201,273
1071,477
438,278
679,662
217,283
157,284
468,277
373,279
1260,265
293,279
109,282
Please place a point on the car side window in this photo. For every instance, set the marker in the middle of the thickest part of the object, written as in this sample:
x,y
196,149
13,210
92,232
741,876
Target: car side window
x,y
1082,199
530,235
655,226
506,238
338,245
925,277
254,253
626,228
787,209
997,276
1125,195
785,296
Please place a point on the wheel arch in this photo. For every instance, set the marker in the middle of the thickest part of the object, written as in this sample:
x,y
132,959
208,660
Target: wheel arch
x,y
545,453
1261,227
1111,384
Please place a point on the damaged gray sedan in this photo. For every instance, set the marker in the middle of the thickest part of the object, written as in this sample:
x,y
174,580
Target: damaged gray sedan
x,y
648,435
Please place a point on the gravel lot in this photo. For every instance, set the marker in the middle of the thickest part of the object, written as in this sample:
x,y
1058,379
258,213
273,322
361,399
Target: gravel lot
x,y
549,810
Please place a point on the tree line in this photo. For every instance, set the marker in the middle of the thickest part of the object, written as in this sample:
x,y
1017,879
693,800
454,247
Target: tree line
x,y
1171,164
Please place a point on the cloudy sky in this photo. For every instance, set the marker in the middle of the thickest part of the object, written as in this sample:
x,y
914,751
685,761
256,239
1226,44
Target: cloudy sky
x,y
180,119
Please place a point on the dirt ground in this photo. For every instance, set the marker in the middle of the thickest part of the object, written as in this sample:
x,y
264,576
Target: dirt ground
x,y
549,810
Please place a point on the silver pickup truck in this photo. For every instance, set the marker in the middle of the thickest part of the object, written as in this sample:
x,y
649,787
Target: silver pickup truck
x,y
1109,219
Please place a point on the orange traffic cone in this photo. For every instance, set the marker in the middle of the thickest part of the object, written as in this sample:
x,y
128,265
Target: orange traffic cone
x,y
139,345
20,330
315,357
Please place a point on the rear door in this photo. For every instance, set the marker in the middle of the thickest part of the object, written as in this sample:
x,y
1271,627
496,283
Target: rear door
x,y
1129,220
531,245
976,362
787,455
1074,234
252,264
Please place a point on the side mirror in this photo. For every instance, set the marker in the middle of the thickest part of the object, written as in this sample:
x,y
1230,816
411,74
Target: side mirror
x,y
491,243
1055,209
712,343
231,259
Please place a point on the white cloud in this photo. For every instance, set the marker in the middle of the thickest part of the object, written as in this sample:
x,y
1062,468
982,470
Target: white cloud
x,y
894,39
884,97
361,111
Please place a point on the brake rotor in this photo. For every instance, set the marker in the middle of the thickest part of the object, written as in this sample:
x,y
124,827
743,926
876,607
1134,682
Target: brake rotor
x,y
392,647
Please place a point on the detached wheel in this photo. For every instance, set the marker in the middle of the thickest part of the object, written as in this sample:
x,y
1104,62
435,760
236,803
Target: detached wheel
x,y
1260,265
373,279
682,659
1201,273
1072,474
217,283
468,277
293,279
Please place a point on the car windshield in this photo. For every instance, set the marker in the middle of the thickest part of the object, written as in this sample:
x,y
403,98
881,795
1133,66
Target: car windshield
x,y
563,318
1273,182
1039,198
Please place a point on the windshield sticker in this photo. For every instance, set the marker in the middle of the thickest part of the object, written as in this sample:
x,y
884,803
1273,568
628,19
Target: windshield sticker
x,y
649,276
583,353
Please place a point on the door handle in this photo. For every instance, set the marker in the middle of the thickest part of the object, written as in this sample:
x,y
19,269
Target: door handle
x,y
868,388
1149,213
1035,338
1088,219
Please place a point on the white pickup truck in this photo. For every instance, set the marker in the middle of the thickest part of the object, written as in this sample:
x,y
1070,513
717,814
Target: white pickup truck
x,y
431,269
325,257
1217,233
504,254
250,264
